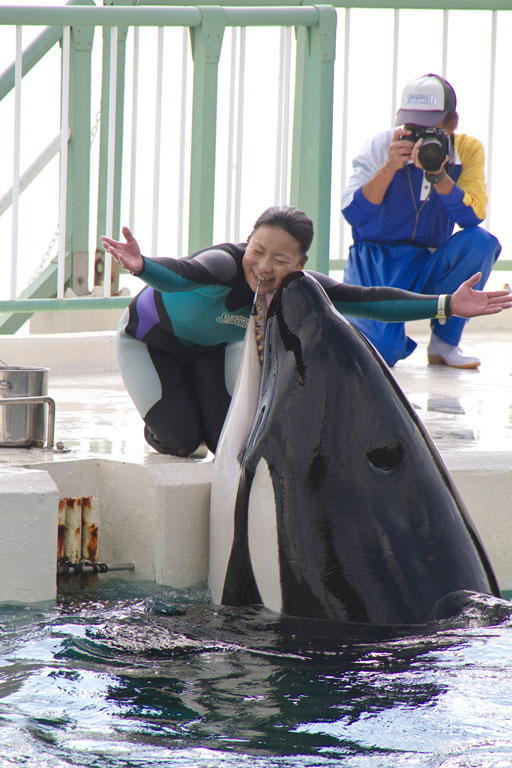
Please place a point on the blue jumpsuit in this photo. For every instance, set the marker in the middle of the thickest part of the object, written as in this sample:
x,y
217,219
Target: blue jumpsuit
x,y
176,339
407,241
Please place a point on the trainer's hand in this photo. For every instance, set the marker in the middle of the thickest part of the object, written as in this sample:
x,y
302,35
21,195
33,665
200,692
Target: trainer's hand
x,y
127,254
469,303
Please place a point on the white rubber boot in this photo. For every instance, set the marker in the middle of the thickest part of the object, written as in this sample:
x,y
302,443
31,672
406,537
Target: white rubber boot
x,y
441,353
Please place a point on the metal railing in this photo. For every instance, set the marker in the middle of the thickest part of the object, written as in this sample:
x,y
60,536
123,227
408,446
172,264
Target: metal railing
x,y
315,28
215,108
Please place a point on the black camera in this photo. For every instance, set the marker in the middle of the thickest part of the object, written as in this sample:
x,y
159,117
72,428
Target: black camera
x,y
434,148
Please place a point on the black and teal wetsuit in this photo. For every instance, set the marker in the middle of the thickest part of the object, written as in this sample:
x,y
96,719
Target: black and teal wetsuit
x,y
175,338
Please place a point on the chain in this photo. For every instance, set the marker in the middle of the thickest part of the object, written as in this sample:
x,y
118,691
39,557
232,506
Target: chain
x,y
46,258
47,254
94,129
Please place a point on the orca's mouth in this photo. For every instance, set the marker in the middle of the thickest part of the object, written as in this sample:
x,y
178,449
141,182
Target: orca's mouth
x,y
290,278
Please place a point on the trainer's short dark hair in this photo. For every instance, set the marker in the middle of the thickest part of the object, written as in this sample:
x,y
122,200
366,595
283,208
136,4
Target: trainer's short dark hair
x,y
292,220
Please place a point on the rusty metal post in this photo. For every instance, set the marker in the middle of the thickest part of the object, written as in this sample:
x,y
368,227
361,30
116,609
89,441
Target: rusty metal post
x,y
90,528
61,530
73,529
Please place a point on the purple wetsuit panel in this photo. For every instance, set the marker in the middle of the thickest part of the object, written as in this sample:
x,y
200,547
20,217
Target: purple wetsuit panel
x,y
146,312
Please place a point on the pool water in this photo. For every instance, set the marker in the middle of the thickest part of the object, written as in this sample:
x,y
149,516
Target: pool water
x,y
118,674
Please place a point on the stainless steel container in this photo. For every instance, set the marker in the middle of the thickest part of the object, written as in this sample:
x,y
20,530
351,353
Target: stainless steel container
x,y
22,424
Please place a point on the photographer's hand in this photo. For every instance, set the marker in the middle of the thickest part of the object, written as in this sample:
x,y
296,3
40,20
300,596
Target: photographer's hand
x,y
400,150
399,154
443,184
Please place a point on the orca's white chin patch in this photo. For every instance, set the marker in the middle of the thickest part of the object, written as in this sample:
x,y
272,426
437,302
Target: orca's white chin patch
x,y
263,538
226,477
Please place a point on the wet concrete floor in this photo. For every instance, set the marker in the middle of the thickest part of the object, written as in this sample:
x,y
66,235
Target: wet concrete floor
x,y
464,410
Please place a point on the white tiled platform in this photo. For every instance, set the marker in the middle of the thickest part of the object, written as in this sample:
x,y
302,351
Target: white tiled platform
x,y
155,508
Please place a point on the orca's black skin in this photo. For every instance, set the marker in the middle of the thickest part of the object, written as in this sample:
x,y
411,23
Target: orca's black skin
x,y
370,526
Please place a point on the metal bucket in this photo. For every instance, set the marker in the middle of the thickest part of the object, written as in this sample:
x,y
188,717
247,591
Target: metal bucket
x,y
22,424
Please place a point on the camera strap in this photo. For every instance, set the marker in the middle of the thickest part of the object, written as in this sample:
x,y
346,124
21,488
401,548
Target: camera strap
x,y
451,155
417,208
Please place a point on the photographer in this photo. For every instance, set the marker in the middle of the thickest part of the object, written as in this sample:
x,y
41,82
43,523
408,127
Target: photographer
x,y
408,190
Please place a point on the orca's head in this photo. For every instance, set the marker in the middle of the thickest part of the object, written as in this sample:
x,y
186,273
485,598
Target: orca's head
x,y
296,318
295,295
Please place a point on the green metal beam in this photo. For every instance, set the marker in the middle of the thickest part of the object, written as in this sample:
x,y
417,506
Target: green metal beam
x,y
118,151
51,305
470,5
225,3
180,14
34,52
312,129
65,16
270,16
31,55
79,157
427,5
43,286
206,46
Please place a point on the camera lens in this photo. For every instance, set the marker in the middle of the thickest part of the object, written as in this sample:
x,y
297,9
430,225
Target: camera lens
x,y
431,154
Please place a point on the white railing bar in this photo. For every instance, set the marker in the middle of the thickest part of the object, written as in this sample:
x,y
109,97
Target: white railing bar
x,y
344,129
394,85
158,141
135,106
490,132
111,158
280,118
32,172
231,133
240,134
444,65
64,135
286,132
16,162
183,127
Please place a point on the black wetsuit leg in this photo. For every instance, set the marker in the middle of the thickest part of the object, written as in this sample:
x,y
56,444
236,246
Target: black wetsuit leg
x,y
209,385
193,405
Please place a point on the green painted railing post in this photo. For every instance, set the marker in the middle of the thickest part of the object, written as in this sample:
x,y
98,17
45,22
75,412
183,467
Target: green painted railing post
x,y
312,129
103,164
35,51
79,153
206,48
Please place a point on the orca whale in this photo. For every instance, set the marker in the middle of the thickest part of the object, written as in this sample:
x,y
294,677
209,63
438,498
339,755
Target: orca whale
x,y
330,500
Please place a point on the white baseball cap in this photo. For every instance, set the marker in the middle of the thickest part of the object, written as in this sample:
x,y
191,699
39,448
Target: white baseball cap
x,y
426,101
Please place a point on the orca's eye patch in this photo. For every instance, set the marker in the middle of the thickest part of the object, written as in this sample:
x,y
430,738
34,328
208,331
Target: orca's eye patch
x,y
388,457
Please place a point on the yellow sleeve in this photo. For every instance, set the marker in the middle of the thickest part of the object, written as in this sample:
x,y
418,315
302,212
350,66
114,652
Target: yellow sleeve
x,y
472,177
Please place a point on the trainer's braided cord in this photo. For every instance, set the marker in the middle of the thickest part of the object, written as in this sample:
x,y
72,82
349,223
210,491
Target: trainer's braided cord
x,y
259,325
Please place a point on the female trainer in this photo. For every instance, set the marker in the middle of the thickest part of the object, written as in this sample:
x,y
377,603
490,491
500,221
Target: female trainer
x,y
176,347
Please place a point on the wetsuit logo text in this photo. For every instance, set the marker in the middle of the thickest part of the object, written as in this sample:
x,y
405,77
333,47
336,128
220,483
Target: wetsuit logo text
x,y
227,319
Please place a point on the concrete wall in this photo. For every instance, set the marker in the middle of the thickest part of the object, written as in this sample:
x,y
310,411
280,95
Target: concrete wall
x,y
62,353
484,480
28,545
156,516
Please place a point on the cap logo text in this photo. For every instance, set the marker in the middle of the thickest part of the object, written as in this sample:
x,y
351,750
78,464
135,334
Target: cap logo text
x,y
421,98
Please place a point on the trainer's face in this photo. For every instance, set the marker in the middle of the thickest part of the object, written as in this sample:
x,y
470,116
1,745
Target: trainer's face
x,y
271,254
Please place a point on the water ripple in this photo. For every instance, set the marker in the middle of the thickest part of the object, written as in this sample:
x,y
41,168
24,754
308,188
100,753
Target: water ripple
x,y
122,675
